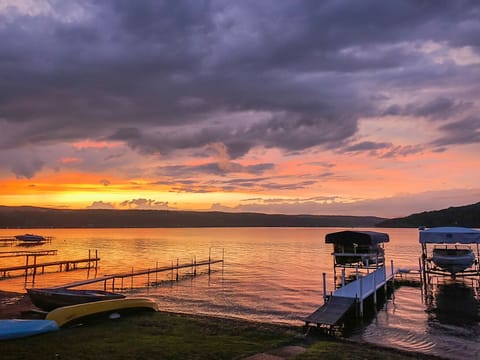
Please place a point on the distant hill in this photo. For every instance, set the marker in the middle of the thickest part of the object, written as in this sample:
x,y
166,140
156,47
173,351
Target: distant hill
x,y
34,217
467,216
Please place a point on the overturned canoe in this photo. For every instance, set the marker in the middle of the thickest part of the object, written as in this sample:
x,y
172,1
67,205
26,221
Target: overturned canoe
x,y
13,329
66,314
52,298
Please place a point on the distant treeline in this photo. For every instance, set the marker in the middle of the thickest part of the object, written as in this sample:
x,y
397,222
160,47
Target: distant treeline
x,y
467,216
33,217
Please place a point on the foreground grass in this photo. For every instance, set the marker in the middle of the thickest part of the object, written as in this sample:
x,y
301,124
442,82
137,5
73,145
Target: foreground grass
x,y
151,336
173,336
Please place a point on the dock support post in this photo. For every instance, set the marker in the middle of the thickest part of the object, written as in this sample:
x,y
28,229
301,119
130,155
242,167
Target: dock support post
x,y
343,276
368,266
361,296
209,259
156,273
148,277
195,265
324,275
334,275
177,268
113,285
26,268
420,272
223,260
375,288
131,280
34,268
88,266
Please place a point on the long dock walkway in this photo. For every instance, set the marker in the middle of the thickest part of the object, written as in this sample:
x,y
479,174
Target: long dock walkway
x,y
131,274
344,298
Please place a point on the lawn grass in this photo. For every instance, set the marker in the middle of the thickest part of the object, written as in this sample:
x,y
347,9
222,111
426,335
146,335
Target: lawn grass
x,y
174,336
152,336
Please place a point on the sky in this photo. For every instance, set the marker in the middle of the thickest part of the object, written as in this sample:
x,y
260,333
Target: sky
x,y
294,107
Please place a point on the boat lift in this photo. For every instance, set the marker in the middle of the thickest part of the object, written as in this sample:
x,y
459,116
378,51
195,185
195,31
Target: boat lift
x,y
448,237
358,250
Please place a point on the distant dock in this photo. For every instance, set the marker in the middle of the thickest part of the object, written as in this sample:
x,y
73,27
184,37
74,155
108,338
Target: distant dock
x,y
35,267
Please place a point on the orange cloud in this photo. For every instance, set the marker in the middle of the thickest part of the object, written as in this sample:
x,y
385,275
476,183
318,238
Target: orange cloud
x,y
88,144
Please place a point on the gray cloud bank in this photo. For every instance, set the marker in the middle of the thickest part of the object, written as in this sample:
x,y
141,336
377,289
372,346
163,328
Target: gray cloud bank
x,y
174,75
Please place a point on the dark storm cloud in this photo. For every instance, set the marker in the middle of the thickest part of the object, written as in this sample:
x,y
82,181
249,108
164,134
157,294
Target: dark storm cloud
x,y
465,131
367,146
438,108
221,168
157,74
27,168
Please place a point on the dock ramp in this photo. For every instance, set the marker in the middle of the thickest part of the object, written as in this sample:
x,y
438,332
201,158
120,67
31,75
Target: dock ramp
x,y
331,312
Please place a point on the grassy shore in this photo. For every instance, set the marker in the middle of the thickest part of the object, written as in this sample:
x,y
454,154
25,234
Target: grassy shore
x,y
175,336
161,335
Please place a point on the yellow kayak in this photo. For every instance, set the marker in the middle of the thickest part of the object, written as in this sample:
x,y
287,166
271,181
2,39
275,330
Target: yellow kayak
x,y
65,314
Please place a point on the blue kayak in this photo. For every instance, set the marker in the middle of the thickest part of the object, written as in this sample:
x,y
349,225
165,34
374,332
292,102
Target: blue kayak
x,y
12,329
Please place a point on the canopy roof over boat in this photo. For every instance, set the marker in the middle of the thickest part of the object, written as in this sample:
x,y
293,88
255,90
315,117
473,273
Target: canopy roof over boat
x,y
449,235
346,238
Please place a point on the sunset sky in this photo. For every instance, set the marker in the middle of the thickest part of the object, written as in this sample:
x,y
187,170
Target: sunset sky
x,y
295,107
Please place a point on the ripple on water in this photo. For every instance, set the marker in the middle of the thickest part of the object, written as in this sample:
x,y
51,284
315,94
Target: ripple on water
x,y
399,338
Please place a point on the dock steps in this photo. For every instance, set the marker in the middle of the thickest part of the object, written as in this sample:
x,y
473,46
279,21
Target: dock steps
x,y
332,312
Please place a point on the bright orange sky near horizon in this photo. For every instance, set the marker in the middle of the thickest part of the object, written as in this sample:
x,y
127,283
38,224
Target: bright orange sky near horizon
x,y
268,108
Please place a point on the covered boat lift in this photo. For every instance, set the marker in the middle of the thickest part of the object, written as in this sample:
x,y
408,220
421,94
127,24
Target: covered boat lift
x,y
448,236
357,249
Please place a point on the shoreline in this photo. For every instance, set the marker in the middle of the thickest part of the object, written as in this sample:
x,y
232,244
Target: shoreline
x,y
15,305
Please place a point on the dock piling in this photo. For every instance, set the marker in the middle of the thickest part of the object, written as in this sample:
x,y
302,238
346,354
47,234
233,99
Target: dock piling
x,y
324,288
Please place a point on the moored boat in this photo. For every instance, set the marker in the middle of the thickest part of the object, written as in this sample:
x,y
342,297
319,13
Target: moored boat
x,y
52,298
451,253
30,237
453,259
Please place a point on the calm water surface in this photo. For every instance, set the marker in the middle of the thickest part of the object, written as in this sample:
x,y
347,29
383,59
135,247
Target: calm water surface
x,y
270,275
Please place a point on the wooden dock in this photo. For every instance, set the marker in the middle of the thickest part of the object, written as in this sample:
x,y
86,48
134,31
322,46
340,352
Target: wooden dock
x,y
113,278
63,265
341,301
4,254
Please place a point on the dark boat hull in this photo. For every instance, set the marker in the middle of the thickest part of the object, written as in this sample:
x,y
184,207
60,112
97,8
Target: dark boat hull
x,y
49,299
30,238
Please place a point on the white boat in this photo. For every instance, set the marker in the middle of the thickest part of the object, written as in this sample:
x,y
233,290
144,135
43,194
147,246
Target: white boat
x,y
30,237
450,253
453,259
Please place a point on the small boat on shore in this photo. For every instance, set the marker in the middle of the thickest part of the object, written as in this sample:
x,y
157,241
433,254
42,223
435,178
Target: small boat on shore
x,y
52,298
18,328
67,314
30,237
453,259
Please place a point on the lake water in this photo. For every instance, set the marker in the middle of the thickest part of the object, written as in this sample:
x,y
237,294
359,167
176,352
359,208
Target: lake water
x,y
269,275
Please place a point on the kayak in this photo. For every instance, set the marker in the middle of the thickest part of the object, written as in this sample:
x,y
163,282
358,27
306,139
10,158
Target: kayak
x,y
17,328
66,314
